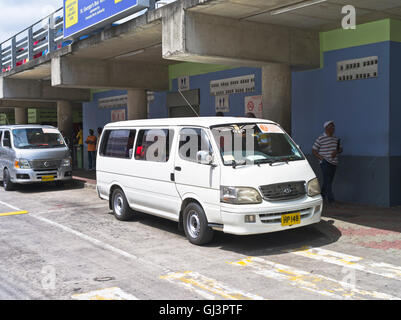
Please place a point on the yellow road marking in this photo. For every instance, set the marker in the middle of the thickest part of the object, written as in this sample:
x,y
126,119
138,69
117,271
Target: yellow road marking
x,y
105,294
311,282
207,287
12,213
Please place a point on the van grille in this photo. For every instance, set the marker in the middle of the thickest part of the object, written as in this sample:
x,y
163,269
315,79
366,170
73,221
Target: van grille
x,y
283,191
40,165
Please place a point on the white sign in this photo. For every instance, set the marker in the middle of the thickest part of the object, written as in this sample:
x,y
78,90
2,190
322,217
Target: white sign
x,y
222,103
183,83
118,115
113,102
241,84
254,104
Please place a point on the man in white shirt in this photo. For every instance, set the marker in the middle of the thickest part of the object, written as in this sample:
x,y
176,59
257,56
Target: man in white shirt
x,y
326,148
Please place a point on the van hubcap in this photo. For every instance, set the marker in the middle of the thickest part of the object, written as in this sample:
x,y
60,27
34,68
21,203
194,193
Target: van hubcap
x,y
118,204
193,224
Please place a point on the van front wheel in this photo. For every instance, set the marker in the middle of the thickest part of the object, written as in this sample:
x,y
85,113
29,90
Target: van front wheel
x,y
7,184
196,226
121,208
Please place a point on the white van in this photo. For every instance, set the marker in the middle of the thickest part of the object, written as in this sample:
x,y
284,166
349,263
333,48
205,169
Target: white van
x,y
237,175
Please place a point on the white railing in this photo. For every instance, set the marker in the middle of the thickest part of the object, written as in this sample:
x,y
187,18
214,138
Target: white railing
x,y
39,39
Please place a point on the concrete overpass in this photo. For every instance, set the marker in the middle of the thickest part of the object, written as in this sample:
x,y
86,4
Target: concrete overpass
x,y
277,35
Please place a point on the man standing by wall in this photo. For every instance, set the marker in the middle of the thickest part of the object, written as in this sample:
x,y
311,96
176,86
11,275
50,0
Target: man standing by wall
x,y
91,141
326,148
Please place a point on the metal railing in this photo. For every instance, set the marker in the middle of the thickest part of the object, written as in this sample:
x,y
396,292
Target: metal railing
x,y
41,38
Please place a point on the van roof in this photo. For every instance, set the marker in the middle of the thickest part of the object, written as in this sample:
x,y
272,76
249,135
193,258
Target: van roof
x,y
25,126
189,121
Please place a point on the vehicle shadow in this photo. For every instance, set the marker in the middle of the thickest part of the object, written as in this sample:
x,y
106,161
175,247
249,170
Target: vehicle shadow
x,y
46,187
317,235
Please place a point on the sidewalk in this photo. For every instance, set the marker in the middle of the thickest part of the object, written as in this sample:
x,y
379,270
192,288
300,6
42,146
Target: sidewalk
x,y
367,226
84,178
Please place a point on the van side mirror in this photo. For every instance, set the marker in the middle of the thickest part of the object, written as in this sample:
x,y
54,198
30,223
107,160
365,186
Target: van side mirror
x,y
204,157
6,142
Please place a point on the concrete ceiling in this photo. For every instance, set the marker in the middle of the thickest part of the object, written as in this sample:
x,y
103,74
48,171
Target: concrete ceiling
x,y
320,17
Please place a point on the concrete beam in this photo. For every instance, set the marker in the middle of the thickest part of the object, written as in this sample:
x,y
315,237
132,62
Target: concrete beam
x,y
70,72
191,36
26,104
38,90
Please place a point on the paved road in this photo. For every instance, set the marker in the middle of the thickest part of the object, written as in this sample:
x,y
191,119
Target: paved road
x,y
63,243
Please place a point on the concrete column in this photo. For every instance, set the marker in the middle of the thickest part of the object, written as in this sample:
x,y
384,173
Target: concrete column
x,y
137,104
64,118
276,94
21,116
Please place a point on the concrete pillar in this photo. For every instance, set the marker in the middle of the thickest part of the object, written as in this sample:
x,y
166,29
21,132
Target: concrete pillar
x,y
276,94
64,118
21,115
137,104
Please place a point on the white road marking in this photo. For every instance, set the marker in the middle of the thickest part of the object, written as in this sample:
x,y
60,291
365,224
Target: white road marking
x,y
311,282
349,261
208,288
105,294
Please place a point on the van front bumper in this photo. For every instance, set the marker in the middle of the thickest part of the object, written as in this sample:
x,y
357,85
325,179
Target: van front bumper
x,y
26,176
268,215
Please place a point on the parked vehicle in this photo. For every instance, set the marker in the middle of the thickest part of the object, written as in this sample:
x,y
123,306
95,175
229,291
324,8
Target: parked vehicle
x,y
33,153
237,175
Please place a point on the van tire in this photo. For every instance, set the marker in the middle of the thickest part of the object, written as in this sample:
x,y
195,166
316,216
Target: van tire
x,y
195,225
7,184
120,206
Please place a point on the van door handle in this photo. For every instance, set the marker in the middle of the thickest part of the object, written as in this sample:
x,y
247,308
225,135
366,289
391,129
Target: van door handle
x,y
177,168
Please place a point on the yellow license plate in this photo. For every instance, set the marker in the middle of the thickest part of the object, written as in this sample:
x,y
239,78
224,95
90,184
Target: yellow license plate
x,y
290,219
47,178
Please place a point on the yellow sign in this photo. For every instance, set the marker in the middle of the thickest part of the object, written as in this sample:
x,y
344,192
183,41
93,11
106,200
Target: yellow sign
x,y
71,12
290,219
117,1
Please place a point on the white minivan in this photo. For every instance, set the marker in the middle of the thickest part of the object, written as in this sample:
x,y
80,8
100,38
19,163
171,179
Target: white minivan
x,y
237,175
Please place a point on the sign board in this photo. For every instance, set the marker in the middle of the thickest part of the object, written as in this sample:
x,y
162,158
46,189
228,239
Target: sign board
x,y
118,115
183,83
241,84
254,105
222,103
83,16
113,102
357,69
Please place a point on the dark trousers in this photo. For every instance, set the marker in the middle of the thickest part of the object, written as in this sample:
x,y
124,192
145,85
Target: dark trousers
x,y
92,159
328,170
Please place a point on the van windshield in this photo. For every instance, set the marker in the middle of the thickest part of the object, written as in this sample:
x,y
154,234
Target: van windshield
x,y
37,138
255,143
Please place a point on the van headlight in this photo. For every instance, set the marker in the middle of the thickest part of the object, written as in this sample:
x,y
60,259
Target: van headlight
x,y
66,162
22,164
313,187
239,195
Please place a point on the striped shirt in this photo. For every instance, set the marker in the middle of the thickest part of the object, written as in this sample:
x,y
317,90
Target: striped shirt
x,y
325,145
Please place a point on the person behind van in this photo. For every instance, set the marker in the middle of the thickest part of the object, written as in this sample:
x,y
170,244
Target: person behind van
x,y
219,114
327,148
91,141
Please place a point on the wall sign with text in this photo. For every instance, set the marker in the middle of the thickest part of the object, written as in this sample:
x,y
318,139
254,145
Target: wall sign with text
x,y
83,16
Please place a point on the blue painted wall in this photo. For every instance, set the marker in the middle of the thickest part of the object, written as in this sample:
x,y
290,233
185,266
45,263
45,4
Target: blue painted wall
x,y
158,109
367,114
94,117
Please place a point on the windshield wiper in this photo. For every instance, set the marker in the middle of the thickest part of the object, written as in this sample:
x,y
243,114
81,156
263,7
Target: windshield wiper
x,y
271,161
234,163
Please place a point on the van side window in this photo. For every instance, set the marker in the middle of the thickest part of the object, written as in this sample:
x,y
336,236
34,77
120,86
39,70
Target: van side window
x,y
1,134
7,135
191,141
154,145
118,143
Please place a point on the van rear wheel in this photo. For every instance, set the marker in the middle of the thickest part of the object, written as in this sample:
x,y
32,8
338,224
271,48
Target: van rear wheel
x,y
121,208
195,224
7,184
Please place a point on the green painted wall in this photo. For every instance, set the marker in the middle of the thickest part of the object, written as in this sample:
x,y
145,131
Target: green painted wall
x,y
367,33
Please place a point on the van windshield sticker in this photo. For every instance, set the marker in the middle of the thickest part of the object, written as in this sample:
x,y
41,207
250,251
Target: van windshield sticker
x,y
269,128
49,130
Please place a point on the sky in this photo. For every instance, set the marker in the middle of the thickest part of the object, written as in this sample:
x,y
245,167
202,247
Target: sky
x,y
17,15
